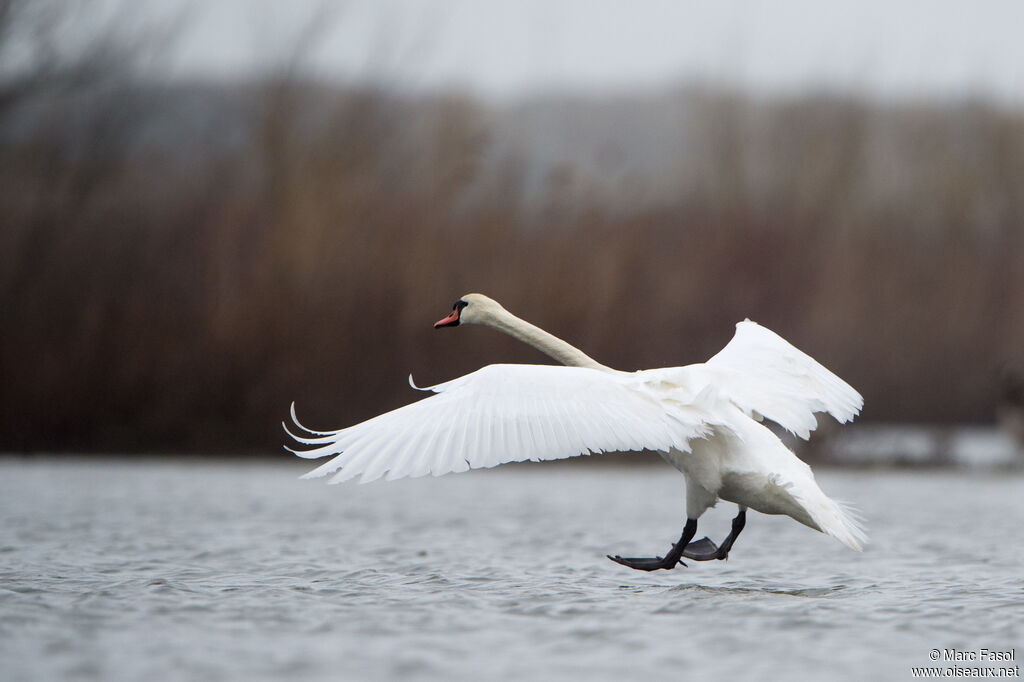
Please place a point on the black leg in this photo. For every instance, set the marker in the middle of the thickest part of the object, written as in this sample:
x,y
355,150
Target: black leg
x,y
709,552
737,527
669,561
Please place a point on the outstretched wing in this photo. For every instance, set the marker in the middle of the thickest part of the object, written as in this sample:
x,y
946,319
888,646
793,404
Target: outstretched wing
x,y
763,374
504,413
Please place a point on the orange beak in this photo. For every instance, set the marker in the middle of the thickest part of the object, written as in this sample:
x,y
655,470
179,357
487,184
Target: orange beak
x,y
449,321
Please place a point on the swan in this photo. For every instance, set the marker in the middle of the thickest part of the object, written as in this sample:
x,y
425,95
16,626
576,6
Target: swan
x,y
704,419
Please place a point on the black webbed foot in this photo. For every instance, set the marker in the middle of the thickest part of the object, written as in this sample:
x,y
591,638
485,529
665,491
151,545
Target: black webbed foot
x,y
702,550
666,562
646,563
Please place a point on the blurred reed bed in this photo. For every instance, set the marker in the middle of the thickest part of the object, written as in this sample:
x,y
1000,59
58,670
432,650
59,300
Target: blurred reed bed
x,y
178,263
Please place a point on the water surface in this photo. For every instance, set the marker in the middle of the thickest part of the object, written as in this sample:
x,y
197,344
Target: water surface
x,y
189,569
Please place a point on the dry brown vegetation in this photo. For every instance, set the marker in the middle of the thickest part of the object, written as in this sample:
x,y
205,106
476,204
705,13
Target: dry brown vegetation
x,y
169,286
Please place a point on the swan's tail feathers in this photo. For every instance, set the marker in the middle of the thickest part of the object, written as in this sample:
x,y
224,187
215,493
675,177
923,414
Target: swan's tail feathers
x,y
841,521
804,501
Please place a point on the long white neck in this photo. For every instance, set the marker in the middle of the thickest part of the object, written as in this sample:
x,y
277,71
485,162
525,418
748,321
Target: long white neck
x,y
549,344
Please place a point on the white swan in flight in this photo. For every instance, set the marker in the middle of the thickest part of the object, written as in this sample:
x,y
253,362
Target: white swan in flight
x,y
704,419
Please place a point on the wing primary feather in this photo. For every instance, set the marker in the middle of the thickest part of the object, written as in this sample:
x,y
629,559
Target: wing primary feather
x,y
295,420
462,422
439,441
534,429
320,440
481,435
404,458
557,436
380,457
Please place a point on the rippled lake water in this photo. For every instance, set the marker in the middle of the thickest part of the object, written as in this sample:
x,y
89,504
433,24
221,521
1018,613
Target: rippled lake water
x,y
190,569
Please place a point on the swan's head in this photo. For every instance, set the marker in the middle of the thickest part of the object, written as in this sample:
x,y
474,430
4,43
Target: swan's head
x,y
471,309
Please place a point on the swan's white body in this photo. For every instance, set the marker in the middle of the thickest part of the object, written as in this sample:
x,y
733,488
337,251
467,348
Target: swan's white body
x,y
704,419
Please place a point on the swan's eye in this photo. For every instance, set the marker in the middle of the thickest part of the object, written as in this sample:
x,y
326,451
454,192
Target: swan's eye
x,y
460,304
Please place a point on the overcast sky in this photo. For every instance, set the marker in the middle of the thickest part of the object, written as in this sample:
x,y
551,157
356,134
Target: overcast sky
x,y
506,49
